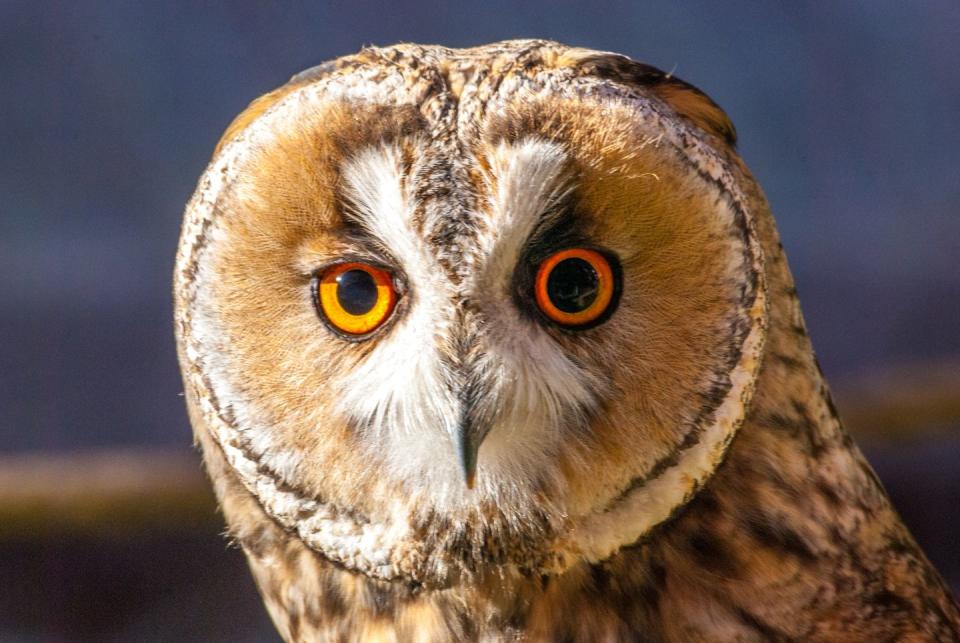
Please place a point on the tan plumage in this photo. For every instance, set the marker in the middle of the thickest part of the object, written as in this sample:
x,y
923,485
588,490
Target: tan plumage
x,y
674,471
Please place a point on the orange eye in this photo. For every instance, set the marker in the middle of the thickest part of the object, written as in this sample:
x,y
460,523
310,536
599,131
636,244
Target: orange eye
x,y
575,287
355,298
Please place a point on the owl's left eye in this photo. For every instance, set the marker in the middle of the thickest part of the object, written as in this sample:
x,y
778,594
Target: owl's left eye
x,y
576,288
354,298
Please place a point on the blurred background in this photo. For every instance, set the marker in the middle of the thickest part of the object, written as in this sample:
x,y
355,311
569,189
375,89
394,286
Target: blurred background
x,y
847,113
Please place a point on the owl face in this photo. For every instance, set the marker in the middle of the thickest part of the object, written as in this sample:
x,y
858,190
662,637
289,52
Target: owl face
x,y
456,289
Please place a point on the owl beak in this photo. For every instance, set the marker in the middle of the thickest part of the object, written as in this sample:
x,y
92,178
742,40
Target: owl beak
x,y
467,449
468,446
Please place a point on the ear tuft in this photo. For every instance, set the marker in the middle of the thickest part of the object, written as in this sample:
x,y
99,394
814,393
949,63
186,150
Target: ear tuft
x,y
251,113
262,104
688,101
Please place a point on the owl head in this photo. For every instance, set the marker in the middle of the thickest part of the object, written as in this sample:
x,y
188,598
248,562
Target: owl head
x,y
431,302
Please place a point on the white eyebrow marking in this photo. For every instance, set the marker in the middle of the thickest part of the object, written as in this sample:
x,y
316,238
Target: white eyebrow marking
x,y
530,181
376,199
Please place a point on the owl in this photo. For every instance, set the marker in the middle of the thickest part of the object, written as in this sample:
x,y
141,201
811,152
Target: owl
x,y
501,343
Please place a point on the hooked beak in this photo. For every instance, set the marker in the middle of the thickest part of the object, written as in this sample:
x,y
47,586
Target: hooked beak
x,y
469,434
476,400
467,443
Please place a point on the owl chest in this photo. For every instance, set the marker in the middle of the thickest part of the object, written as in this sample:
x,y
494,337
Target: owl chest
x,y
631,599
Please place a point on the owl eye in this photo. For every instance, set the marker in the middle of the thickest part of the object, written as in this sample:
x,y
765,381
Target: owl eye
x,y
575,287
354,298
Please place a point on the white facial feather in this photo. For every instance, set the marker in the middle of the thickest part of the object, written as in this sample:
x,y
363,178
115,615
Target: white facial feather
x,y
399,393
402,392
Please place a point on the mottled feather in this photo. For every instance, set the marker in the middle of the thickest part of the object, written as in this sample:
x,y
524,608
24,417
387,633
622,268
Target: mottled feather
x,y
677,472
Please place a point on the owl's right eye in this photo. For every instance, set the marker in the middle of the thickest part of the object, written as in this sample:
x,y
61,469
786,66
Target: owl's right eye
x,y
576,288
354,298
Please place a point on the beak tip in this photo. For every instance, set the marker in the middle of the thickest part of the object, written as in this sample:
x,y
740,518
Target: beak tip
x,y
468,464
467,445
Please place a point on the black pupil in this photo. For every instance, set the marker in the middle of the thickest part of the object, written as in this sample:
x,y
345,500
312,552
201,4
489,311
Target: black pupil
x,y
356,291
572,285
